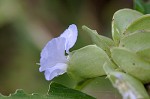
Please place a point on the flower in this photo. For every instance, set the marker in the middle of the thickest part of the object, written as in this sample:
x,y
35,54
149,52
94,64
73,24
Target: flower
x,y
53,60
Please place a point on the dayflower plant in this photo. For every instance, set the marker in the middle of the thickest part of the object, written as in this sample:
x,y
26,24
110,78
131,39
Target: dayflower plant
x,y
123,59
53,59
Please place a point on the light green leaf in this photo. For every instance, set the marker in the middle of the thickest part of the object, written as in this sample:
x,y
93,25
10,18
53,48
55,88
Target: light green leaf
x,y
132,64
121,20
128,86
87,62
142,23
136,41
103,42
56,91
145,54
108,67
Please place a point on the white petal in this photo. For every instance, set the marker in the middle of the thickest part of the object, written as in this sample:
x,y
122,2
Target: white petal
x,y
58,69
53,53
71,36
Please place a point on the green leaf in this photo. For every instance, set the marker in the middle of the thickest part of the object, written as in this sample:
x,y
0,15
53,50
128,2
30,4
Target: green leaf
x,y
141,6
121,20
132,64
56,91
19,94
103,42
136,41
87,62
142,23
145,54
128,86
147,7
108,67
61,92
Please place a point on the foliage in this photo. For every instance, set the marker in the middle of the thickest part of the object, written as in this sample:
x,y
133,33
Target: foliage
x,y
56,91
128,52
141,6
125,59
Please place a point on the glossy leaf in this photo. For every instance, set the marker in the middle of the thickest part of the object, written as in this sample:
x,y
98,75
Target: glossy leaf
x,y
61,92
132,64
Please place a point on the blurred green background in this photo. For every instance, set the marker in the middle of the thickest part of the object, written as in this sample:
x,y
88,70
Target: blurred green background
x,y
27,25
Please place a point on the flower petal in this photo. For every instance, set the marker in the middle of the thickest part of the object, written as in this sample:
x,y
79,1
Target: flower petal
x,y
53,53
58,69
71,36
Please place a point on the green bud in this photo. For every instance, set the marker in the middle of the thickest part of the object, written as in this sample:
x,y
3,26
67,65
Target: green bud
x,y
132,63
87,62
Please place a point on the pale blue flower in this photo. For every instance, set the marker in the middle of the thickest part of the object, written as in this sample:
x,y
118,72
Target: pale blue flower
x,y
53,60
